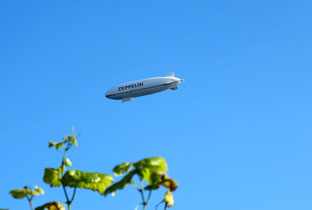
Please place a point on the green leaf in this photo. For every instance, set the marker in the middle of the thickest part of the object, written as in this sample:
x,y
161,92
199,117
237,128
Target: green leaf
x,y
87,180
39,190
59,145
52,177
169,198
73,140
154,163
122,168
68,162
52,144
20,193
32,193
51,206
153,178
122,183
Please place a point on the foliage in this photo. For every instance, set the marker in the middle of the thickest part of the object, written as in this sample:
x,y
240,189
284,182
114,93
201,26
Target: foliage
x,y
52,176
28,193
73,178
87,180
24,193
152,170
54,205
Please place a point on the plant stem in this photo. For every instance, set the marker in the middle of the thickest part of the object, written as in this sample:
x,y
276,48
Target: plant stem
x,y
30,202
149,196
73,195
63,163
142,194
144,202
63,160
67,199
158,204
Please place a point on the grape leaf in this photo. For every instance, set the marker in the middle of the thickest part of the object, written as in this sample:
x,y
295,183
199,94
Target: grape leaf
x,y
87,180
122,183
52,144
52,177
73,140
54,205
39,190
154,163
121,168
21,193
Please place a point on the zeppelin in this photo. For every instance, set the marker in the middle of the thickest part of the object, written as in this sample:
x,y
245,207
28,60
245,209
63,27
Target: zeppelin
x,y
130,90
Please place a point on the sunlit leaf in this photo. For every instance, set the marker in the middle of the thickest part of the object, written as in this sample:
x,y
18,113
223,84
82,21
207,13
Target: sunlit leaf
x,y
51,206
52,144
122,183
154,179
39,190
122,168
20,193
32,193
52,177
59,145
73,140
68,162
154,163
169,198
87,180
146,174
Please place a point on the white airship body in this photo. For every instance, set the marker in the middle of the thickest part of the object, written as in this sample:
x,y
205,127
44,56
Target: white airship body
x,y
130,90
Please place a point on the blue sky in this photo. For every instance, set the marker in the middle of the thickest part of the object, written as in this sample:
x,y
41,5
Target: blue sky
x,y
236,135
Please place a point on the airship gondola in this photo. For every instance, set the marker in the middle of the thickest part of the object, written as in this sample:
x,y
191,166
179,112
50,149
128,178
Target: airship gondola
x,y
128,91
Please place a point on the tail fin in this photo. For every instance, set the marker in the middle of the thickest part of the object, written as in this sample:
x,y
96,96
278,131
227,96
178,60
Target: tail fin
x,y
171,74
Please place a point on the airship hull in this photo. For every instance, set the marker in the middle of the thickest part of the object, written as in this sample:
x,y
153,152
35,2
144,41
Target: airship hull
x,y
143,87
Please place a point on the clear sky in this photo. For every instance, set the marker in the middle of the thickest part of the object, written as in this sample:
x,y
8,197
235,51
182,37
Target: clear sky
x,y
236,135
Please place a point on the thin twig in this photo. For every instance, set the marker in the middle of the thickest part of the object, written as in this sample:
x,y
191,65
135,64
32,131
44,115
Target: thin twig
x,y
158,204
66,194
30,202
141,191
149,196
73,195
